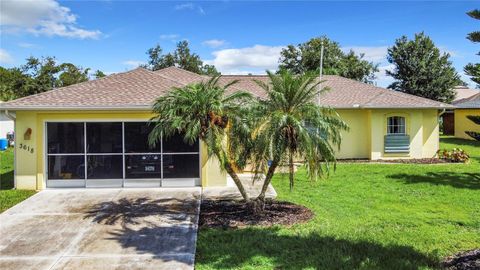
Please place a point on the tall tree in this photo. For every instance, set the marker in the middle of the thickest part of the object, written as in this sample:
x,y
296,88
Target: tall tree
x,y
473,70
70,74
99,74
182,57
14,83
38,75
202,111
421,69
306,57
286,124
290,125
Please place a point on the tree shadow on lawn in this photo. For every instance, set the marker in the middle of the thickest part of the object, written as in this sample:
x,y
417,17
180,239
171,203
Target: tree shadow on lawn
x,y
460,142
468,180
235,248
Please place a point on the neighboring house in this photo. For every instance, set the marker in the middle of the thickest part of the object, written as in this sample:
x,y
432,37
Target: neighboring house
x,y
448,118
465,107
6,125
94,133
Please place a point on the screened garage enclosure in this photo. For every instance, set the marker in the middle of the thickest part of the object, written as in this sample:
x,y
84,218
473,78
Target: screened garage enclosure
x,y
117,154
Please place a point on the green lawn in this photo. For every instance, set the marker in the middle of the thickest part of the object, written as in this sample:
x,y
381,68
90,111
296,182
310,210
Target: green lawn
x,y
368,216
8,196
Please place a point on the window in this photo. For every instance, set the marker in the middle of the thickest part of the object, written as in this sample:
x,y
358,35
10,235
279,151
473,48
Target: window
x,y
66,150
396,125
143,166
65,138
136,138
117,152
175,143
104,167
180,166
66,167
104,137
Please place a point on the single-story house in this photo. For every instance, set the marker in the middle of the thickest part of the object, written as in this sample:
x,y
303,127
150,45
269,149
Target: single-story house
x,y
6,125
94,134
465,107
448,118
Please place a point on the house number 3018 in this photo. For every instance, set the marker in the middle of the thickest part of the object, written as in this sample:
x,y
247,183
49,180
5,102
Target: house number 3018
x,y
26,147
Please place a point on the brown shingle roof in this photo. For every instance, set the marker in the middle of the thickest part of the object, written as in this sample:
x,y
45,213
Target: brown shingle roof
x,y
463,92
138,89
472,102
347,93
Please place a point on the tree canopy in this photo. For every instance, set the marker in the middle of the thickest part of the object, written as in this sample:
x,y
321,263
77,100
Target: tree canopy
x,y
182,57
268,133
421,69
305,57
39,75
473,69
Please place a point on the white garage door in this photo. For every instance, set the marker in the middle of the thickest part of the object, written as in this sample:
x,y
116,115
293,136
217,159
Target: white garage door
x,y
117,154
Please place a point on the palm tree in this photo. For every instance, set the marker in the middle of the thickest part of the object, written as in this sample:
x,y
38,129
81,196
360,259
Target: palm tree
x,y
291,125
203,111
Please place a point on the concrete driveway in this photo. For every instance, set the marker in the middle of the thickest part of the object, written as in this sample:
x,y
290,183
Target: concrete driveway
x,y
101,229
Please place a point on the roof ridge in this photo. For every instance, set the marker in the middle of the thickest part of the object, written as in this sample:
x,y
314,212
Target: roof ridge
x,y
177,68
169,78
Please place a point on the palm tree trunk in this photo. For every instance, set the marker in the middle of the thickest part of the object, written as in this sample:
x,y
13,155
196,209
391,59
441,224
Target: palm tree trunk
x,y
238,182
291,169
258,205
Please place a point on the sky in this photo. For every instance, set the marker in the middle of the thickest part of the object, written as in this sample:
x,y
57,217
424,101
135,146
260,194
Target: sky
x,y
238,37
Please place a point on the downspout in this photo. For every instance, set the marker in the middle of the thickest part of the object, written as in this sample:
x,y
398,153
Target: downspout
x,y
13,118
442,112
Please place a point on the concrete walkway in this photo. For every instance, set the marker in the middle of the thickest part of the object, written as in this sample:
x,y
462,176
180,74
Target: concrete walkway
x,y
101,229
231,192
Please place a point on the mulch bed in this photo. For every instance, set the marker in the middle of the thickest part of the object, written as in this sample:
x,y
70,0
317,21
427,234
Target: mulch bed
x,y
467,260
231,214
402,161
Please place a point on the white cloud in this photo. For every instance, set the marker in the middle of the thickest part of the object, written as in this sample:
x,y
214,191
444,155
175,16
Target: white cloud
x,y
253,60
133,63
5,57
214,43
42,17
26,45
190,6
373,54
171,37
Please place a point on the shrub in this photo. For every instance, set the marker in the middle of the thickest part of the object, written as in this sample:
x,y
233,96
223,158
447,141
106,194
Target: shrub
x,y
456,155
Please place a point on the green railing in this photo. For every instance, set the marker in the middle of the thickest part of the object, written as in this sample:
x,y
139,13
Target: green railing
x,y
397,144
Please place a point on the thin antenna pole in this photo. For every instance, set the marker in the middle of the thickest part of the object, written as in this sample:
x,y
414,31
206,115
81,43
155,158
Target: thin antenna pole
x,y
321,71
321,60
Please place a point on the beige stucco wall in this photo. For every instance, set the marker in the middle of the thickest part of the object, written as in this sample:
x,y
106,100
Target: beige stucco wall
x,y
355,141
462,123
422,127
30,167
